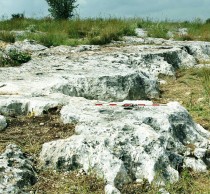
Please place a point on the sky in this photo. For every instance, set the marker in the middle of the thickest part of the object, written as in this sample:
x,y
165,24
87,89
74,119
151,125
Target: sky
x,y
152,9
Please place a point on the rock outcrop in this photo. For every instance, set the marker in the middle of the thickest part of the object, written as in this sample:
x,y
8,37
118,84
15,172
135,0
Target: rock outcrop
x,y
16,171
121,145
126,145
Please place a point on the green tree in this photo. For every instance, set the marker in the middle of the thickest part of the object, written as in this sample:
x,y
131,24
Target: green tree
x,y
61,9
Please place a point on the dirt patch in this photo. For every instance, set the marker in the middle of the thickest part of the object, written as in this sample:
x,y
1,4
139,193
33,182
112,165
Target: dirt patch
x,y
29,133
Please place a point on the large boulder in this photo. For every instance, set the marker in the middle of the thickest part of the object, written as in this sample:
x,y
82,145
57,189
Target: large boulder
x,y
124,145
16,170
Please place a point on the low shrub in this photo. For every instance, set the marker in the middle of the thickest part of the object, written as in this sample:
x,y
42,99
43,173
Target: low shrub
x,y
19,57
13,58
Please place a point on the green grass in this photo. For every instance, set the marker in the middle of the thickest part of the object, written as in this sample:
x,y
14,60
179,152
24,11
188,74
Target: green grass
x,y
76,31
205,74
7,37
189,183
98,30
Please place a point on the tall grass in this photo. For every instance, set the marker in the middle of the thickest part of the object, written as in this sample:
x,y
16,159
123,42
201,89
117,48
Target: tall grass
x,y
76,31
7,36
98,30
204,73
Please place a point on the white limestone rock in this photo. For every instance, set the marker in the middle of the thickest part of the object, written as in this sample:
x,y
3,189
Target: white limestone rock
x,y
104,73
16,171
126,145
199,50
196,164
26,45
182,31
13,106
141,32
3,123
24,105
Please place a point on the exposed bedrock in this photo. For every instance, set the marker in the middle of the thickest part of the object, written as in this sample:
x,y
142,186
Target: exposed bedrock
x,y
128,145
16,171
128,72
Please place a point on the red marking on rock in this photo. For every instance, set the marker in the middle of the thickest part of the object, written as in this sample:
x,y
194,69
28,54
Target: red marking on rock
x,y
112,104
127,105
99,104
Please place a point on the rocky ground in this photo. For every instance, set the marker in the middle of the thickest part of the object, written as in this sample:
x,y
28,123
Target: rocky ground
x,y
51,101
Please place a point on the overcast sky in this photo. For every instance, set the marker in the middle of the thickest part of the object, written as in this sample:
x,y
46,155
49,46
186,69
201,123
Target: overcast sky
x,y
154,9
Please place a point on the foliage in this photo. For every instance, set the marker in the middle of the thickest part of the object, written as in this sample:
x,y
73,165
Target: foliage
x,y
18,56
14,58
208,21
61,9
18,16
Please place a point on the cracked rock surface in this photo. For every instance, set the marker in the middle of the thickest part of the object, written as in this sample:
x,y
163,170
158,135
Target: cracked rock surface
x,y
126,145
16,171
103,73
121,145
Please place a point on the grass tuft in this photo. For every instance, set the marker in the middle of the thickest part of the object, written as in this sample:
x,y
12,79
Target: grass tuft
x,y
7,37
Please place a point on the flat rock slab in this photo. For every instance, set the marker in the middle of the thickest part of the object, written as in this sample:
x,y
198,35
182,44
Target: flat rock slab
x,y
93,72
127,145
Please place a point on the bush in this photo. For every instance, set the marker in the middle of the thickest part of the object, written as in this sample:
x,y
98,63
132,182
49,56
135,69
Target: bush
x,y
18,16
19,57
208,21
13,58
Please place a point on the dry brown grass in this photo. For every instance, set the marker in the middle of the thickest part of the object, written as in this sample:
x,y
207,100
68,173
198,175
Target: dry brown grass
x,y
52,182
30,133
187,88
